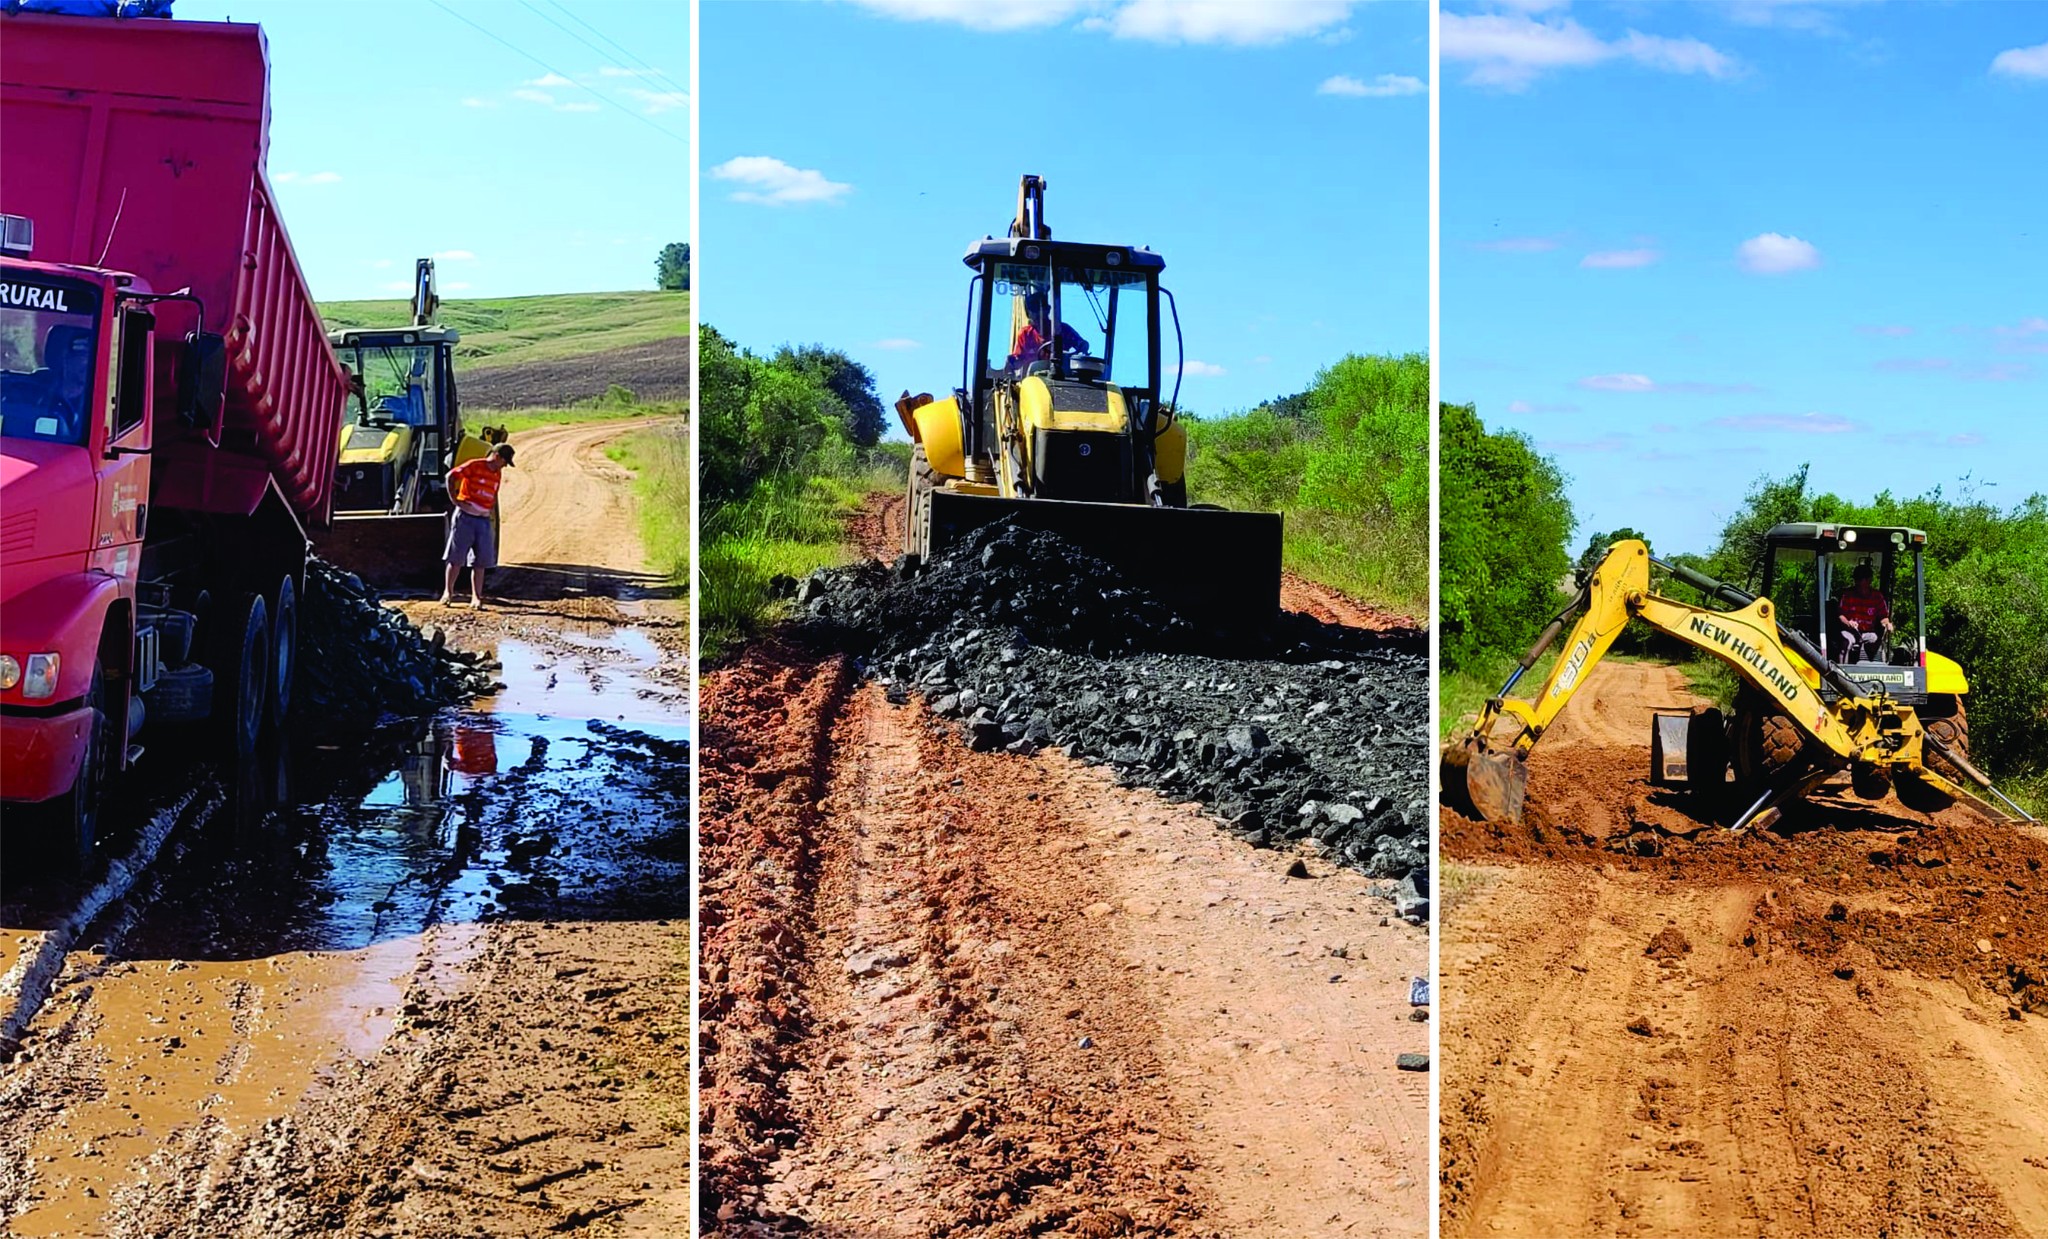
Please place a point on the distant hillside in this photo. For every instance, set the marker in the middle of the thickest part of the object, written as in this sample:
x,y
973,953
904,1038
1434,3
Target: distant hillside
x,y
554,351
502,330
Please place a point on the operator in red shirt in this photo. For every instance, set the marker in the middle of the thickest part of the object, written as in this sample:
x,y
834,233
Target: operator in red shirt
x,y
472,539
1865,618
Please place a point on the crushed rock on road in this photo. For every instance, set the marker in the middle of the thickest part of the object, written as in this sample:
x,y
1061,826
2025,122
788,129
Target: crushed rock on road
x,y
1651,1027
1310,735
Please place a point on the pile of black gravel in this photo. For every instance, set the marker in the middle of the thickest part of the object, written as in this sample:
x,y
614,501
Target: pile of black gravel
x,y
360,661
1308,734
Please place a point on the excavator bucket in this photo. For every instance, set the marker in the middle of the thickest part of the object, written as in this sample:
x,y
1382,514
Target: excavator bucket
x,y
388,552
1214,567
1481,783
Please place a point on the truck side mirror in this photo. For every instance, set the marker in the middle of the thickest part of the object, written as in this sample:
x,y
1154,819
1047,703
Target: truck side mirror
x,y
203,380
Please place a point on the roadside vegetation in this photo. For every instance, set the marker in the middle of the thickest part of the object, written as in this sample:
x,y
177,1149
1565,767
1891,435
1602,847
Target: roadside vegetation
x,y
1347,463
1505,526
659,459
791,447
504,330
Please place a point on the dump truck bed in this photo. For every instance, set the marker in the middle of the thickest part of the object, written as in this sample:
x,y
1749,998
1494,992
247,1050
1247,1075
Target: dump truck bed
x,y
140,146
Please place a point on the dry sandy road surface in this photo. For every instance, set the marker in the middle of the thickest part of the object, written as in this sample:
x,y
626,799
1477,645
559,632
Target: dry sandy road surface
x,y
960,993
430,982
1838,1029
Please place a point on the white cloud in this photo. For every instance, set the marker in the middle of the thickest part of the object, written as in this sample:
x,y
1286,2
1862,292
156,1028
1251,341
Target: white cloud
x,y
381,264
621,71
1385,86
1804,423
771,182
1888,331
897,344
2029,62
549,81
580,105
474,102
1773,253
1201,369
1518,245
2030,326
1510,50
1524,406
1232,22
533,96
1240,23
655,102
1615,260
454,256
1911,365
398,286
980,14
1618,382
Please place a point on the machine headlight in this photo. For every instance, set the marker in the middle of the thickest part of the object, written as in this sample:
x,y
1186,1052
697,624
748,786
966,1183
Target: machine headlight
x,y
41,680
1848,535
10,672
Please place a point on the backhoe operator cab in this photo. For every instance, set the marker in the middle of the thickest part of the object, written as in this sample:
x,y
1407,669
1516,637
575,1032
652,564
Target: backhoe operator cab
x,y
1815,573
403,418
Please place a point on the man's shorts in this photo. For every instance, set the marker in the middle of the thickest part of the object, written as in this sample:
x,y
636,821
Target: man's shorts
x,y
472,541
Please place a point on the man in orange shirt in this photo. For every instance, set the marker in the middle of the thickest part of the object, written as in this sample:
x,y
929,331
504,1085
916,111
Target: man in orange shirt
x,y
472,540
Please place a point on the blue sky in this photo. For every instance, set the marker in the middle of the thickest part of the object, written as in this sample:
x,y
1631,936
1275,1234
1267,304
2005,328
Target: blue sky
x,y
399,131
1276,155
1687,244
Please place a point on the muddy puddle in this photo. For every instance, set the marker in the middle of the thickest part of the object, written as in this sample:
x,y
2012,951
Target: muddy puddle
x,y
256,951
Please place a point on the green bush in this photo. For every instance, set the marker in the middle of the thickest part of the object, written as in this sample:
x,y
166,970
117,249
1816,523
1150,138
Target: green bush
x,y
1502,525
1347,464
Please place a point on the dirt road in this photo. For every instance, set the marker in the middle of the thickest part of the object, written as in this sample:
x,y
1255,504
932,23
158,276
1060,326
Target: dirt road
x,y
1650,1028
430,981
950,992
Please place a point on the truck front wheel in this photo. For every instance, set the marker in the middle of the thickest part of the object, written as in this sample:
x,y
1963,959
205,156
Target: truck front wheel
x,y
78,811
240,654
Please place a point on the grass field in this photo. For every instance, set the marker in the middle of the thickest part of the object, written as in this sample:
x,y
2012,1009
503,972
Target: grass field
x,y
503,330
662,483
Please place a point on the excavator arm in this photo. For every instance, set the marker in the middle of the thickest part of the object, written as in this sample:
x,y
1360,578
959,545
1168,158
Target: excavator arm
x,y
1487,770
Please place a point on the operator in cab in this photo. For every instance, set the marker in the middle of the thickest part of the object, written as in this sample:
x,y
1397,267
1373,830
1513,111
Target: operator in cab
x,y
1032,345
472,539
1865,618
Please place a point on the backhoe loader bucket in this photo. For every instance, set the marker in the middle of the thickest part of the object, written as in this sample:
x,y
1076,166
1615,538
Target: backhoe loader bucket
x,y
387,551
1481,783
1214,567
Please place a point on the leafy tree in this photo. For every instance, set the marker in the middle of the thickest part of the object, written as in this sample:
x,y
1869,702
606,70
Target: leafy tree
x,y
672,267
1503,521
848,380
1597,547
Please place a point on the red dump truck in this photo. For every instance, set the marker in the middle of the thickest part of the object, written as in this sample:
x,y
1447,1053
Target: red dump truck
x,y
171,407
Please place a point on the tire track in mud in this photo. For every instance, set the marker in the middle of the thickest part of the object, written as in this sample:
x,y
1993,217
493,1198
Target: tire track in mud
x,y
958,993
1808,1063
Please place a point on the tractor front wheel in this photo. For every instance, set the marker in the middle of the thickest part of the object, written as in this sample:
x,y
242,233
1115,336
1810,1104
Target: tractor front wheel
x,y
917,518
1950,724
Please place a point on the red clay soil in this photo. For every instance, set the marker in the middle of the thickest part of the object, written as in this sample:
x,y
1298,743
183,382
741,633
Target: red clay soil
x,y
956,993
1849,1041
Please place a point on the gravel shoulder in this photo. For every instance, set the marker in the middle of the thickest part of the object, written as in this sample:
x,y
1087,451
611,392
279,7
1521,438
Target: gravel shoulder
x,y
1653,1029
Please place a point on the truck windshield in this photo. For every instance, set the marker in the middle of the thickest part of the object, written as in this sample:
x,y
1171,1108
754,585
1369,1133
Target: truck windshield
x,y
398,382
48,332
1064,320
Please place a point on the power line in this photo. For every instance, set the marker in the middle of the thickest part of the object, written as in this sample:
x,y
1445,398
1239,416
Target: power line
x,y
494,37
617,52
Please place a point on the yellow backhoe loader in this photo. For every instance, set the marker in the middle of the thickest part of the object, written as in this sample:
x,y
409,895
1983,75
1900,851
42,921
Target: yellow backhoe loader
x,y
405,431
1884,709
1059,424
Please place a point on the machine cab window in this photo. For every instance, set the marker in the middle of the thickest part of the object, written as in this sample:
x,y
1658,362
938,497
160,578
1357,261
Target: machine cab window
x,y
1084,321
49,346
1856,592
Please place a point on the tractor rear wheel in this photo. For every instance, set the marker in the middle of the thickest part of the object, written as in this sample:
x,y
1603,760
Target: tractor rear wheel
x,y
1950,724
1766,743
917,520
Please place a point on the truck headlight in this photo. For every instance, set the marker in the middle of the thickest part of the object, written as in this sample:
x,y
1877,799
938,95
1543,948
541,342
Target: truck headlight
x,y
10,673
41,677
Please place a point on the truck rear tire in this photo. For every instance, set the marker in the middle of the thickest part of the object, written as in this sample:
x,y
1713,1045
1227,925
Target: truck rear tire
x,y
239,653
284,644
